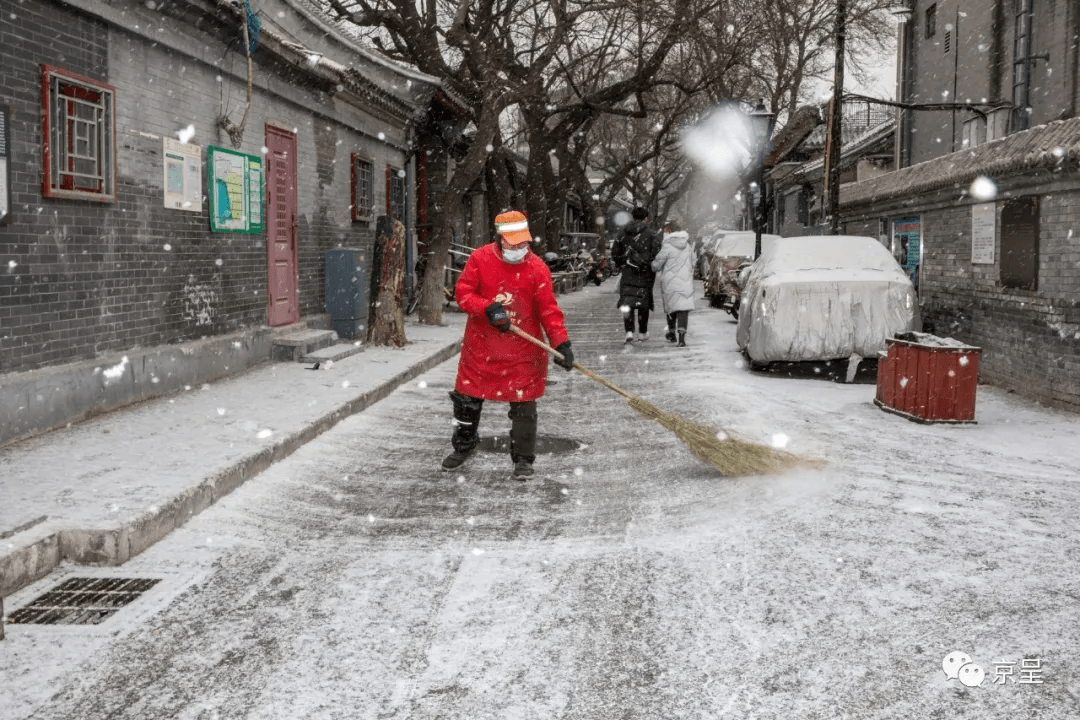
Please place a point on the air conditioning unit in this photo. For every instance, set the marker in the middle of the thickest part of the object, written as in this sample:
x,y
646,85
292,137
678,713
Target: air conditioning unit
x,y
974,131
997,123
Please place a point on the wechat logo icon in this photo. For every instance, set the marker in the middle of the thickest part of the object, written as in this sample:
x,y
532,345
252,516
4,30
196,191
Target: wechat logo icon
x,y
958,666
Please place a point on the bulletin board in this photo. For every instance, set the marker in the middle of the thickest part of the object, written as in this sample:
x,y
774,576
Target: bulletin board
x,y
907,234
234,188
182,179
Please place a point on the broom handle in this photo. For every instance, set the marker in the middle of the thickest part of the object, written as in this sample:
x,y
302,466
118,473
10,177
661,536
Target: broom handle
x,y
577,366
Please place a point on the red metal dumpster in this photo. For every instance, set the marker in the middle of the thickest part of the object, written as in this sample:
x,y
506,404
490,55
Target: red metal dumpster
x,y
928,378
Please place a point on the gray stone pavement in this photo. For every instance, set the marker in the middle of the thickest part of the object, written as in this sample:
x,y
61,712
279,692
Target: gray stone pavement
x,y
101,491
354,579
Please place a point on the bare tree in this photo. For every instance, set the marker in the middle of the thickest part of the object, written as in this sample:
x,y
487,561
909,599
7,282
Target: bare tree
x,y
795,44
472,45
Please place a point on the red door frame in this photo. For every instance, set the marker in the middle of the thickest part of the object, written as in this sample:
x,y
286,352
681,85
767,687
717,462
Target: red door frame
x,y
282,251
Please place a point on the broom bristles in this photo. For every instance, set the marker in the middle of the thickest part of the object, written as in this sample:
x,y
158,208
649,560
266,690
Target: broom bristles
x,y
731,456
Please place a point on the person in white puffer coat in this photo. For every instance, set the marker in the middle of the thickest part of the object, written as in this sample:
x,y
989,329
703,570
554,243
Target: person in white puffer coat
x,y
675,268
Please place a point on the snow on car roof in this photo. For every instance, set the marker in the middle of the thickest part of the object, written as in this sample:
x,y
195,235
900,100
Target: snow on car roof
x,y
813,258
742,243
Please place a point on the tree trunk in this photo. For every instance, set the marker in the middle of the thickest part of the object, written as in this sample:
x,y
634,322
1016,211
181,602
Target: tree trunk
x,y
387,327
448,194
500,192
432,299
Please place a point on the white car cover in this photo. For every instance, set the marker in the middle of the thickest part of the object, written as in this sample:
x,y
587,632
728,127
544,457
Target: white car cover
x,y
741,244
823,298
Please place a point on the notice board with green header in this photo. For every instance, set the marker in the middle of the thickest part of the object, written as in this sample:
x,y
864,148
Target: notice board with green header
x,y
234,184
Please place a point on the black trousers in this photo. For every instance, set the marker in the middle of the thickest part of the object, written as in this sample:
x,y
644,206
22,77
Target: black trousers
x,y
522,416
678,319
642,316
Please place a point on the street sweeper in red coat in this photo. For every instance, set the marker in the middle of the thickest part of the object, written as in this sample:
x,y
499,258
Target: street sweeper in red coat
x,y
504,283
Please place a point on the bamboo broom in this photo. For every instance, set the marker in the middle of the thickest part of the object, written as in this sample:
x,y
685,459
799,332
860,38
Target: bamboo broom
x,y
729,455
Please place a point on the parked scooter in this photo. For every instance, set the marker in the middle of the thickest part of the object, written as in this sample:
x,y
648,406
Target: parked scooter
x,y
731,293
598,271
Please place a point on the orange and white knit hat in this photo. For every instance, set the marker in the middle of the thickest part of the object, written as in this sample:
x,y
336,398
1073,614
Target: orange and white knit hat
x,y
513,226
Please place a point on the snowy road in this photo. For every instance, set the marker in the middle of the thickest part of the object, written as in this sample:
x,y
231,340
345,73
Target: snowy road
x,y
355,580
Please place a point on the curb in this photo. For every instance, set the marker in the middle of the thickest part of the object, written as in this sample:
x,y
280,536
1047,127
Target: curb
x,y
117,545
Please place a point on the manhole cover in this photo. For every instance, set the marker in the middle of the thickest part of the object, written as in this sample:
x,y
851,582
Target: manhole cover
x,y
82,601
545,445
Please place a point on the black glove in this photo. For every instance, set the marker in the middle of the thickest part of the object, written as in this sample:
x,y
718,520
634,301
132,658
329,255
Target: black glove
x,y
497,317
567,356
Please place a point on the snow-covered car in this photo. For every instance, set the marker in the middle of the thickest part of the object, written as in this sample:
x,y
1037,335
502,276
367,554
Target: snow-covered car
x,y
705,251
731,251
824,297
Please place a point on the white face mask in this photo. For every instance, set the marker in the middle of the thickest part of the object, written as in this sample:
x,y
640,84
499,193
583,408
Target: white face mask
x,y
515,256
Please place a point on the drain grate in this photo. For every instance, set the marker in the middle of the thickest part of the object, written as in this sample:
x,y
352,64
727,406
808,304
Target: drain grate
x,y
82,601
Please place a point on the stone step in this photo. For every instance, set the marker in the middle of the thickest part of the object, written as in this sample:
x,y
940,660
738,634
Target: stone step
x,y
333,352
296,345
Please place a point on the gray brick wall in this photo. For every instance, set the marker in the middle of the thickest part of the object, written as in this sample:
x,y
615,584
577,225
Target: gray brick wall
x,y
1030,339
79,278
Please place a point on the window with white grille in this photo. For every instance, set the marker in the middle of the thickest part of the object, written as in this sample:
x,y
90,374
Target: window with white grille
x,y
395,192
363,188
79,152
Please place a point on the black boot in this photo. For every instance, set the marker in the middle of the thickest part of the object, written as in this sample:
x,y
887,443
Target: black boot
x,y
523,438
466,425
682,339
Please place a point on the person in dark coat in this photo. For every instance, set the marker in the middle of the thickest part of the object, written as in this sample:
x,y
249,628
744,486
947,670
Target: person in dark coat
x,y
505,284
633,253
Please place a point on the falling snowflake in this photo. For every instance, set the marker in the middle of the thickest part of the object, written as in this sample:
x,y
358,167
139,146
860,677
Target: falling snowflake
x,y
779,440
579,471
903,382
983,188
264,433
221,411
477,551
421,384
167,247
963,361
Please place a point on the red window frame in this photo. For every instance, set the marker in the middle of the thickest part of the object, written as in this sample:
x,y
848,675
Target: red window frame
x,y
77,87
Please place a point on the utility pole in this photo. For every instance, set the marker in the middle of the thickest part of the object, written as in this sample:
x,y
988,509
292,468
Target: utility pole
x,y
835,121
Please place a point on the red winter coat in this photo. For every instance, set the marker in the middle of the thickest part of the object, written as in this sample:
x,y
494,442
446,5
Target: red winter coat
x,y
496,365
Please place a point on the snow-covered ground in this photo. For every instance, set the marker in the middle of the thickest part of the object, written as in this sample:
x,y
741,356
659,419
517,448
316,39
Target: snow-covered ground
x,y
355,580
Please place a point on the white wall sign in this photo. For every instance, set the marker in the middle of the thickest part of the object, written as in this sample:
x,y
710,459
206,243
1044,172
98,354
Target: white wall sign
x,y
5,185
983,232
183,175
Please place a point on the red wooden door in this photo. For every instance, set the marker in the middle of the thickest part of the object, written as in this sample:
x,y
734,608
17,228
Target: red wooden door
x,y
281,240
